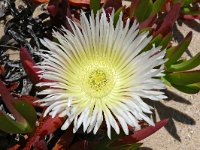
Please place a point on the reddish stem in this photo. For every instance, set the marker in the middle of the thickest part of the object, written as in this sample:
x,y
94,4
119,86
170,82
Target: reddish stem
x,y
8,101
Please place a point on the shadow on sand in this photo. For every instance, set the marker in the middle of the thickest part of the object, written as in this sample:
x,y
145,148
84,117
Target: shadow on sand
x,y
172,113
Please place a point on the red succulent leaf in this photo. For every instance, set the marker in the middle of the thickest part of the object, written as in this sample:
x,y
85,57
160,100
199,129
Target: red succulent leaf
x,y
31,72
52,10
46,126
2,70
190,17
24,55
116,4
108,12
12,86
54,6
31,99
83,145
82,3
8,101
49,125
134,4
167,6
15,147
59,10
40,145
41,1
139,135
28,64
148,22
65,140
169,20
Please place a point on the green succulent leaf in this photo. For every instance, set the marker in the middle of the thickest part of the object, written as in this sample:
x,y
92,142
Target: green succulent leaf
x,y
188,11
189,89
165,41
183,78
187,2
28,112
170,51
143,10
165,81
186,65
95,5
156,40
9,125
157,6
148,29
176,53
116,15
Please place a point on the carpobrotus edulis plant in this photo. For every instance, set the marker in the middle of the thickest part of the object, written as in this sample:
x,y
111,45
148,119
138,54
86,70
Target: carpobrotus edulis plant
x,y
91,68
99,72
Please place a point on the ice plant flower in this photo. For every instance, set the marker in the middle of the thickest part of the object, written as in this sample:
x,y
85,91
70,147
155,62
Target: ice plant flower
x,y
98,73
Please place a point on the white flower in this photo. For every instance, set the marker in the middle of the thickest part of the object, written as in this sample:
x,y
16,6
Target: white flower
x,y
99,74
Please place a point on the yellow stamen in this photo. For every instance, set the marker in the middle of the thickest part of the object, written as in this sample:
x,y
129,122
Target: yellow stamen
x,y
97,80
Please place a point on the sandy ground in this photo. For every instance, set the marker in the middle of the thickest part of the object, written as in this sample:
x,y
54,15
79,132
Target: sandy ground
x,y
183,110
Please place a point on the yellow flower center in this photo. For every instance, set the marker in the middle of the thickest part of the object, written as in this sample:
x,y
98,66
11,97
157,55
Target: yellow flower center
x,y
97,80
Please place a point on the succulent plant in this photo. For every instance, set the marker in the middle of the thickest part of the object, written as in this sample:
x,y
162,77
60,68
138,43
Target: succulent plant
x,y
21,116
